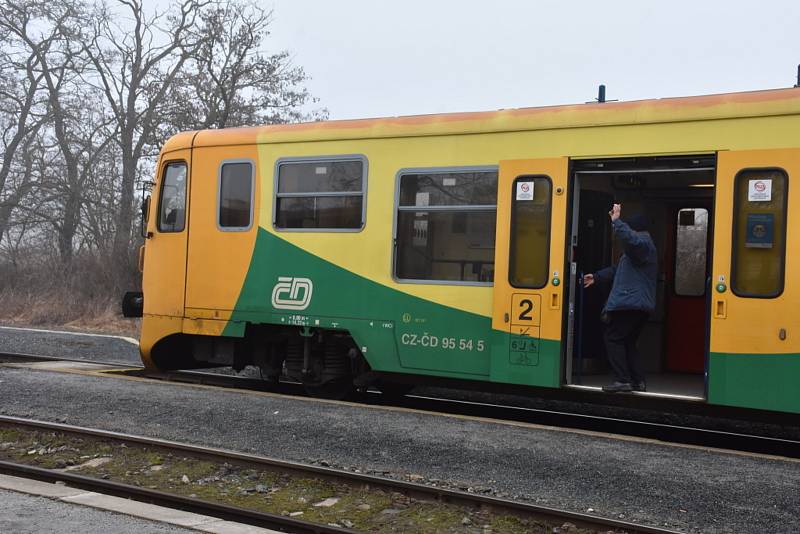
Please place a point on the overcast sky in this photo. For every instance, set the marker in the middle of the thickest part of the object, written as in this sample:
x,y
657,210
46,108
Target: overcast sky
x,y
376,58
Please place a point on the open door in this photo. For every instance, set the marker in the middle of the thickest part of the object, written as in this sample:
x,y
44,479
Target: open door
x,y
529,265
754,353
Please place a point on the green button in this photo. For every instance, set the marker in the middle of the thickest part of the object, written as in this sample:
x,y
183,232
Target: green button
x,y
721,288
556,281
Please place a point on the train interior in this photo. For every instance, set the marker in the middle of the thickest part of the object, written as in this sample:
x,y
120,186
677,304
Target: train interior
x,y
676,196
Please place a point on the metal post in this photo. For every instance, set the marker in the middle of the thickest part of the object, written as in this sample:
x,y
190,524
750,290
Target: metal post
x,y
579,329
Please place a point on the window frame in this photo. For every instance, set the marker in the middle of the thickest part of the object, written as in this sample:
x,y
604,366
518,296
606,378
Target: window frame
x,y
398,208
252,194
735,232
511,239
318,159
162,175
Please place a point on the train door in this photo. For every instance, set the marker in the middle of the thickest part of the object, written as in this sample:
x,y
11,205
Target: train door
x,y
529,264
165,250
686,274
672,197
754,353
224,224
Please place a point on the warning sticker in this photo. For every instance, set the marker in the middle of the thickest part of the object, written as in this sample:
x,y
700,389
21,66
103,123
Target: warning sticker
x,y
524,190
759,191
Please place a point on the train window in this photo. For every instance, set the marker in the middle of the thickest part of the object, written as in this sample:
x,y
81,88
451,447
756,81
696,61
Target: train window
x,y
691,240
445,225
321,194
530,232
235,211
759,233
172,204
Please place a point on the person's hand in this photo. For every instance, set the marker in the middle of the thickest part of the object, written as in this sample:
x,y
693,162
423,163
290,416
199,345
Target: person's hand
x,y
588,280
616,209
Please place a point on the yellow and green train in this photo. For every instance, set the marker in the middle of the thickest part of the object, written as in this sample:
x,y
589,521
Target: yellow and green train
x,y
389,251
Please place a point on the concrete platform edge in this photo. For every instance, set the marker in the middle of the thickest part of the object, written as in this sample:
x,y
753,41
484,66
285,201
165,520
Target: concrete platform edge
x,y
119,505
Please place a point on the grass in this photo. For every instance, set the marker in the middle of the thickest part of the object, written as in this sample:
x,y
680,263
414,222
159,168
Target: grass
x,y
57,309
37,290
360,507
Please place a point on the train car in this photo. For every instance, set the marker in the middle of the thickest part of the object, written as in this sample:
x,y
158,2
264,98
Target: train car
x,y
386,252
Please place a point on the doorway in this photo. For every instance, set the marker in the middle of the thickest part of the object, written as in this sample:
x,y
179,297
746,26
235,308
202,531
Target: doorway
x,y
675,194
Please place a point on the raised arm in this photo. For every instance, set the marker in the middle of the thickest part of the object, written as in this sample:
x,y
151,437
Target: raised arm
x,y
636,245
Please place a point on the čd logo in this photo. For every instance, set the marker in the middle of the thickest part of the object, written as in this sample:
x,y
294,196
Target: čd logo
x,y
292,293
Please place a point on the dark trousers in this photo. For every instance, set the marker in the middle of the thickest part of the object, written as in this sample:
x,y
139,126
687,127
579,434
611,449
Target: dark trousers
x,y
621,334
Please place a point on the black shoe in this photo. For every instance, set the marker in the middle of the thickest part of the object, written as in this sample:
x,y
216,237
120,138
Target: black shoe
x,y
640,386
617,387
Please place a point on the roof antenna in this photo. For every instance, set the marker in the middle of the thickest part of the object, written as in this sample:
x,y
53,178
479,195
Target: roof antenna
x,y
798,77
601,96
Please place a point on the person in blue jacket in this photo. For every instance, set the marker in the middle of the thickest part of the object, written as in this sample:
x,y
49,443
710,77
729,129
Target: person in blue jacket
x,y
632,298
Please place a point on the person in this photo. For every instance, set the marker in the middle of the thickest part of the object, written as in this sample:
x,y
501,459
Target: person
x,y
632,299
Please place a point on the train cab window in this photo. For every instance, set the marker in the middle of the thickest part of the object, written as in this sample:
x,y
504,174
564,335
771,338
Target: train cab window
x,y
759,233
446,226
235,210
530,231
321,194
172,204
691,245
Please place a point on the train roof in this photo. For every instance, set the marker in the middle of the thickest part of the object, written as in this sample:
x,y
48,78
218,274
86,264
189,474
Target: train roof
x,y
771,102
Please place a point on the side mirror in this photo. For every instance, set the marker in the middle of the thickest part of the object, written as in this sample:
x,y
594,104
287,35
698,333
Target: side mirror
x,y
145,216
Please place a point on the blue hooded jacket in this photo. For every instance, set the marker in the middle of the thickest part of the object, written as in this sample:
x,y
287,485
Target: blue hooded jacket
x,y
634,276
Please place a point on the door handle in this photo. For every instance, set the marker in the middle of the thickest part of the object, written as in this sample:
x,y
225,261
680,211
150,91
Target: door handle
x,y
720,309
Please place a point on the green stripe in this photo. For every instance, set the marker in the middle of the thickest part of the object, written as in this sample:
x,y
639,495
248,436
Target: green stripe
x,y
396,331
762,381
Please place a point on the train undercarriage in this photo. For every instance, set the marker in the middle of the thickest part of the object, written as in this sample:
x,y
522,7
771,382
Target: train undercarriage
x,y
327,362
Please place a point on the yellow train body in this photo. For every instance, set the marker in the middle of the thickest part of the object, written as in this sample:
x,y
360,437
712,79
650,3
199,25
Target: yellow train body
x,y
197,282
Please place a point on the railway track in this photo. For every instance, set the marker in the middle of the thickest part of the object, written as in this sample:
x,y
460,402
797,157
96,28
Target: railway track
x,y
426,493
666,432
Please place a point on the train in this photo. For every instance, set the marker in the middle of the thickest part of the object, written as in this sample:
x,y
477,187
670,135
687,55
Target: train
x,y
390,252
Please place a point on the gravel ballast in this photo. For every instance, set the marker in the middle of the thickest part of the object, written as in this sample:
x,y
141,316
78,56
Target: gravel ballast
x,y
678,487
97,348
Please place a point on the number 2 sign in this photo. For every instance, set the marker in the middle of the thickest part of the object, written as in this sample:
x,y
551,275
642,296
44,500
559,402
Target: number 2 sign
x,y
525,309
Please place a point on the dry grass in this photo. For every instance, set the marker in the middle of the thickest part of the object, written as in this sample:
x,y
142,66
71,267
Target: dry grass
x,y
42,294
62,310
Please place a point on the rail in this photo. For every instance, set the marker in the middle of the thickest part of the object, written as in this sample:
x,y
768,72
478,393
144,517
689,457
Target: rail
x,y
420,491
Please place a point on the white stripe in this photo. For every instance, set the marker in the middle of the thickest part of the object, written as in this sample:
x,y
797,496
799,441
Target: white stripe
x,y
123,338
645,393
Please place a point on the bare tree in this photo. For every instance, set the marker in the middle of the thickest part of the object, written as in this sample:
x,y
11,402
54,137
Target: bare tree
x,y
56,52
136,67
19,84
232,81
89,91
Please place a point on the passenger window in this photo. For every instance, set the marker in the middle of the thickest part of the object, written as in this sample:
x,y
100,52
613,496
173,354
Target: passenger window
x,y
323,194
759,233
691,241
172,205
235,196
530,232
446,225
